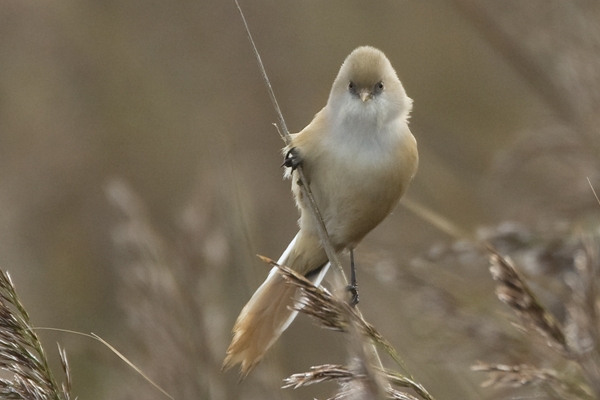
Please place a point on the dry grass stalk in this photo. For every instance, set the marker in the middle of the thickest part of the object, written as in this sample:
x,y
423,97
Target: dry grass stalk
x,y
407,382
68,383
345,375
329,311
355,382
578,342
500,375
22,354
398,395
333,313
321,373
513,291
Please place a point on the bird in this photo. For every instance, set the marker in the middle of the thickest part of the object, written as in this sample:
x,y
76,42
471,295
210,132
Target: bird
x,y
359,157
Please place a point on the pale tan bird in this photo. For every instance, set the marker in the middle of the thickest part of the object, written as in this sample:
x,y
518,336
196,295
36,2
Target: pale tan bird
x,y
359,157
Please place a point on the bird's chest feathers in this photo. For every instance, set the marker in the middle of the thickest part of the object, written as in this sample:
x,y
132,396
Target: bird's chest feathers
x,y
357,179
362,152
358,166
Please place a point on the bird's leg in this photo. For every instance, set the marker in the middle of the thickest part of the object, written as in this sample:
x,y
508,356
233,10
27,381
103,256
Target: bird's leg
x,y
353,286
292,159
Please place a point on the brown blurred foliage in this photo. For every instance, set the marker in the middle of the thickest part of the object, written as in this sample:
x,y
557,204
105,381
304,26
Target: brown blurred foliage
x,y
161,105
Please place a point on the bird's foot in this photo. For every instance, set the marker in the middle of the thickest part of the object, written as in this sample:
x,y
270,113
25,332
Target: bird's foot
x,y
353,290
292,159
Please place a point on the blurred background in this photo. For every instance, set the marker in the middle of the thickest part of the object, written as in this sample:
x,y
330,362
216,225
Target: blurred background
x,y
139,177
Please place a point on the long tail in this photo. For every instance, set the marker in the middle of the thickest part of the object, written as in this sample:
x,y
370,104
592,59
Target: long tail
x,y
264,318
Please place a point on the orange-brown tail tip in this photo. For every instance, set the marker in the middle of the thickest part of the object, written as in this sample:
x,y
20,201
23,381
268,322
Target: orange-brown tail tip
x,y
245,368
260,324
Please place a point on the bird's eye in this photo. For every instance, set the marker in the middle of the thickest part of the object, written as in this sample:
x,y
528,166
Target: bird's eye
x,y
379,86
351,86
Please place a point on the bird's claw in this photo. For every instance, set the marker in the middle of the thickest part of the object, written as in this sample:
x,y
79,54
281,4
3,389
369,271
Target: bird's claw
x,y
292,159
353,289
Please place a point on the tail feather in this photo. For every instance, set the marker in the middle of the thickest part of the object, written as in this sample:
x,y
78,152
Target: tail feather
x,y
264,318
260,323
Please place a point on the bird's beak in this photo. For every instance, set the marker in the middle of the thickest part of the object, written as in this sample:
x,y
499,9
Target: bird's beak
x,y
365,95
